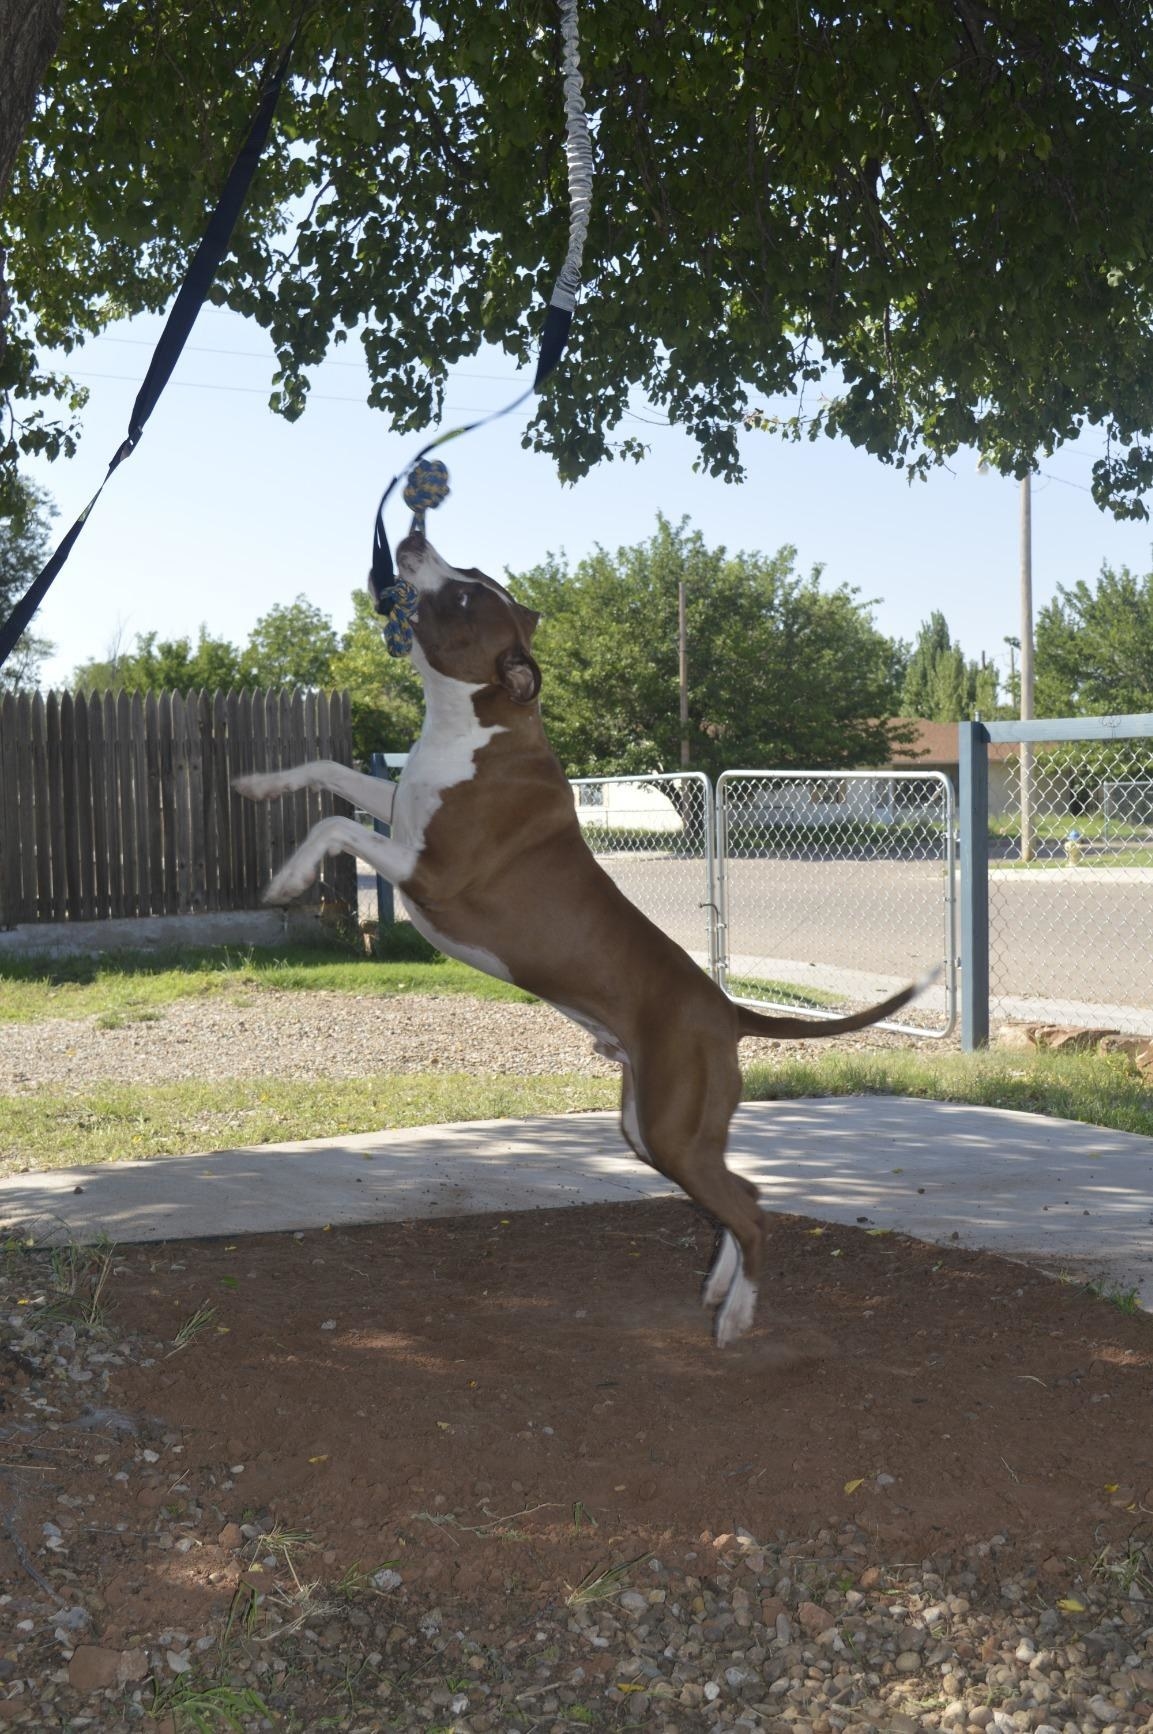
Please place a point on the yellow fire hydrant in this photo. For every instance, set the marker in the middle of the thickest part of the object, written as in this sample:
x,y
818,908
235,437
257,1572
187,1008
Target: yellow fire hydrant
x,y
1074,849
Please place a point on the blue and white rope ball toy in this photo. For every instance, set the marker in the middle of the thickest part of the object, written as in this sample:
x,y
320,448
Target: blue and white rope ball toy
x,y
426,487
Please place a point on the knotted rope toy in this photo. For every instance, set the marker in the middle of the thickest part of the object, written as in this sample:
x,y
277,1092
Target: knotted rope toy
x,y
426,487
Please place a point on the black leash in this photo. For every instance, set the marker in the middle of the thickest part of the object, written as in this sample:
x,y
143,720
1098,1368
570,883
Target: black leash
x,y
190,298
428,483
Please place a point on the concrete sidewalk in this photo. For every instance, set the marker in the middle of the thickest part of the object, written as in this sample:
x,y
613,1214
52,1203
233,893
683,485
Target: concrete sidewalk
x,y
1053,1192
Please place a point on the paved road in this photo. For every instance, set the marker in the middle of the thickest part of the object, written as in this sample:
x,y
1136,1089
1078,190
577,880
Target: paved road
x,y
1057,935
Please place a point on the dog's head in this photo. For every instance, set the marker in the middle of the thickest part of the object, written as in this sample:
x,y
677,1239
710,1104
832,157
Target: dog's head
x,y
466,625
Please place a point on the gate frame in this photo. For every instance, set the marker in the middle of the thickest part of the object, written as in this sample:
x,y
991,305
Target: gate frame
x,y
973,739
949,864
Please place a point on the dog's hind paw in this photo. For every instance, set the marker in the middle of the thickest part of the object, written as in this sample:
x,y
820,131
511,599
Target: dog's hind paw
x,y
735,1313
726,1263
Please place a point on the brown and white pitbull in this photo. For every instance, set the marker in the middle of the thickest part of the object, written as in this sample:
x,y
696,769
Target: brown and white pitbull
x,y
490,863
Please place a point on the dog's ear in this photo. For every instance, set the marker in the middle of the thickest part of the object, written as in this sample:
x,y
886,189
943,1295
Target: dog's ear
x,y
518,674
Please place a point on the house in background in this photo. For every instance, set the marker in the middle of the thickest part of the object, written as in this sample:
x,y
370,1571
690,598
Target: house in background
x,y
624,806
869,796
934,748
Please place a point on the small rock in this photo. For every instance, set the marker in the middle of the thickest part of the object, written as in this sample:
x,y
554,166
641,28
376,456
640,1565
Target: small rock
x,y
907,1662
73,1619
93,1669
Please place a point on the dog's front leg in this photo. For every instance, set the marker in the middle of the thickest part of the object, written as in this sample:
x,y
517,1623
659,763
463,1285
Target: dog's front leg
x,y
393,861
373,795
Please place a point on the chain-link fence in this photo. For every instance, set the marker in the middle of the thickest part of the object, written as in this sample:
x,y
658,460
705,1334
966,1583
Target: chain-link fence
x,y
1071,882
836,888
654,836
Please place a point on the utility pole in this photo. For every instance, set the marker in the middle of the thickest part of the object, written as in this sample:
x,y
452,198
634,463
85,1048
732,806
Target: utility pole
x,y
1027,829
683,672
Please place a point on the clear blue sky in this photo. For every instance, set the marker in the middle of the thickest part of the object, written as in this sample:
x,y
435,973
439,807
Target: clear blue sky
x,y
225,510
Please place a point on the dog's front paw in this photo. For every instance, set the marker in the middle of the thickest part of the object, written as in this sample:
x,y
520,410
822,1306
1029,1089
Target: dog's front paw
x,y
266,784
259,785
285,888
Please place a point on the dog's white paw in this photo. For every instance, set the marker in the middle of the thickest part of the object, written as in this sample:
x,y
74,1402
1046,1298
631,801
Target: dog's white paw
x,y
286,888
735,1314
725,1264
260,785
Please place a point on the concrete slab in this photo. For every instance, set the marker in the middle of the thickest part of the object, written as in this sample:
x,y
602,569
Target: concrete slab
x,y
1067,1196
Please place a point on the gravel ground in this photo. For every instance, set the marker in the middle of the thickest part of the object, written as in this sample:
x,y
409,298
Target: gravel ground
x,y
817,1636
326,1035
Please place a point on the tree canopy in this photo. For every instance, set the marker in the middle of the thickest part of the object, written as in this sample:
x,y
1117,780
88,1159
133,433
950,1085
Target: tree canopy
x,y
24,533
294,644
941,683
1095,647
926,224
780,671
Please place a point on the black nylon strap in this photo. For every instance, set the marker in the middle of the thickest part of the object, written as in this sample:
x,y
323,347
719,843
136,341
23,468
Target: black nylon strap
x,y
181,318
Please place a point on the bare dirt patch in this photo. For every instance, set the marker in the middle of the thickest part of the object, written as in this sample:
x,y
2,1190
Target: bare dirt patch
x,y
483,1414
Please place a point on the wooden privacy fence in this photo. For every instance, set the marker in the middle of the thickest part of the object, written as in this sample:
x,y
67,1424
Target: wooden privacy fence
x,y
118,804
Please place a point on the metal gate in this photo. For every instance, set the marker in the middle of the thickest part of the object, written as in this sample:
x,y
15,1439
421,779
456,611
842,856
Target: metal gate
x,y
655,836
1057,873
834,888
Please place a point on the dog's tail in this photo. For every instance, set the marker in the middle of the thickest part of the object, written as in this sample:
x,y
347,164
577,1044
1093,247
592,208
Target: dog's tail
x,y
752,1023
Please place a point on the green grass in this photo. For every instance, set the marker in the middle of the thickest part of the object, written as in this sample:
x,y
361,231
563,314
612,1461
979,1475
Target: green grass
x,y
122,1122
1093,856
1100,1089
117,1122
752,987
126,987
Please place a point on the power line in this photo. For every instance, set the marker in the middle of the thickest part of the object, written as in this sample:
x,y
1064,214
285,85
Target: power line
x,y
316,396
1065,482
259,355
262,391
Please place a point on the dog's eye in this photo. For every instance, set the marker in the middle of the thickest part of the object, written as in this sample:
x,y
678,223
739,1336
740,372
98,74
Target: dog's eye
x,y
464,598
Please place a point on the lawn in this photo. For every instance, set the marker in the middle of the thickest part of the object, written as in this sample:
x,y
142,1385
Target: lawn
x,y
131,985
50,1128
118,1122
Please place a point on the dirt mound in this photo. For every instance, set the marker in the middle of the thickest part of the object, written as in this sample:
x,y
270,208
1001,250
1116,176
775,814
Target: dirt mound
x,y
484,1413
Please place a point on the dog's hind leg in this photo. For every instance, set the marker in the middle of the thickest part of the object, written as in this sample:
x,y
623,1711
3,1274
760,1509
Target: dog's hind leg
x,y
683,1113
630,1123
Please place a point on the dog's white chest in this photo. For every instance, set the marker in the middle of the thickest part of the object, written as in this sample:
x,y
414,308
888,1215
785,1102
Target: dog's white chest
x,y
443,757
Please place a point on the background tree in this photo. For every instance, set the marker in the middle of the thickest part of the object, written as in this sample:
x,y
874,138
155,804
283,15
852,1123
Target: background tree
x,y
385,691
1095,647
781,672
24,542
940,683
292,645
29,31
163,665
939,210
